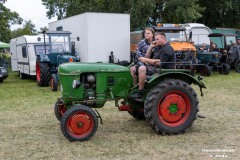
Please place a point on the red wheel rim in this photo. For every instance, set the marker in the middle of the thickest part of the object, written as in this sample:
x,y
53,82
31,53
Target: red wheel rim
x,y
38,72
80,124
174,108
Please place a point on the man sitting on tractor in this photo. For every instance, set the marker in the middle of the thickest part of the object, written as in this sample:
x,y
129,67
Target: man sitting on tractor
x,y
162,52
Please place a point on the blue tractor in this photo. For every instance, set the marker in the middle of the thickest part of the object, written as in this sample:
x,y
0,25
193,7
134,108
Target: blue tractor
x,y
58,51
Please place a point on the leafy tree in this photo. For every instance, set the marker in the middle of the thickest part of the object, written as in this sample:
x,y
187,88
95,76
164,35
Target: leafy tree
x,y
7,18
179,11
28,29
139,10
221,13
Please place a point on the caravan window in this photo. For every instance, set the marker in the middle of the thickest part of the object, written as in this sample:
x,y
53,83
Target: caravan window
x,y
24,52
39,49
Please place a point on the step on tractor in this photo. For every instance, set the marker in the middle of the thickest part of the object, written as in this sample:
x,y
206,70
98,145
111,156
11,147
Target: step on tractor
x,y
227,39
170,104
59,50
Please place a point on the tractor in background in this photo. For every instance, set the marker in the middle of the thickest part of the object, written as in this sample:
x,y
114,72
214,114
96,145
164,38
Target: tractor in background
x,y
59,51
232,59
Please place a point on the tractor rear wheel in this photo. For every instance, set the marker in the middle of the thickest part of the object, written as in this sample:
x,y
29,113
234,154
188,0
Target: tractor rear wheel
x,y
205,70
237,65
79,123
42,74
59,109
171,107
53,82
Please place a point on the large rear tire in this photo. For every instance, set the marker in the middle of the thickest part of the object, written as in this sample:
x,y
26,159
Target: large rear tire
x,y
237,65
171,107
42,74
79,123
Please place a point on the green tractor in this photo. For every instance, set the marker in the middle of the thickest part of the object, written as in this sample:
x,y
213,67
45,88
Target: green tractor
x,y
170,104
58,51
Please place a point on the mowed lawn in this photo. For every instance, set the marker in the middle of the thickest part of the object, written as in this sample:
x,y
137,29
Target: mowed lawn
x,y
29,129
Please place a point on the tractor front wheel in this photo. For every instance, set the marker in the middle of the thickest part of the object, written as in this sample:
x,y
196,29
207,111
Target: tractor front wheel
x,y
53,82
42,74
205,70
79,123
225,68
171,107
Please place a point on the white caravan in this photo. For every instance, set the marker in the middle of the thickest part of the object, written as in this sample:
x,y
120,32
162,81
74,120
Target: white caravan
x,y
199,31
23,53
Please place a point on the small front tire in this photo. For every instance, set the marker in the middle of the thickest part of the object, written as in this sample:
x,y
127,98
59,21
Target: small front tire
x,y
79,123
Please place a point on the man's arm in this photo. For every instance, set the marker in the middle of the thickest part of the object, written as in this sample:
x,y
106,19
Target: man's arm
x,y
150,61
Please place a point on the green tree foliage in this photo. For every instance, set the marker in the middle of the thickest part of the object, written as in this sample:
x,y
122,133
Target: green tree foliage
x,y
28,29
7,18
139,10
221,13
181,11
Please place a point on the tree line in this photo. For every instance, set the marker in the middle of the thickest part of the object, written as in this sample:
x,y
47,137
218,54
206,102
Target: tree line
x,y
212,13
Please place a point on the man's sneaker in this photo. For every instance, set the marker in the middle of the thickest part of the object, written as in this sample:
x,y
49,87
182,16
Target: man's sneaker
x,y
138,95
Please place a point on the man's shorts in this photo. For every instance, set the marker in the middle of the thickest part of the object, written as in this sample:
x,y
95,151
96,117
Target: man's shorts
x,y
150,69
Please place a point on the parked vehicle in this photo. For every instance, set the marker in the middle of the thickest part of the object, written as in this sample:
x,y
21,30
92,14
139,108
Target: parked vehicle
x,y
199,33
60,51
212,61
170,104
233,60
24,51
3,73
99,35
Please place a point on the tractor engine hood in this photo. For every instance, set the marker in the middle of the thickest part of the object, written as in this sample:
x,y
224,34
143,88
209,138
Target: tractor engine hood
x,y
182,46
75,68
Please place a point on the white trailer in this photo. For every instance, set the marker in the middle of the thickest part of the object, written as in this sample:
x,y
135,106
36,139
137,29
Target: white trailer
x,y
199,31
100,34
23,53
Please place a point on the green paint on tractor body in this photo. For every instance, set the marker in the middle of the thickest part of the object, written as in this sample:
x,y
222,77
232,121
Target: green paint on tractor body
x,y
101,82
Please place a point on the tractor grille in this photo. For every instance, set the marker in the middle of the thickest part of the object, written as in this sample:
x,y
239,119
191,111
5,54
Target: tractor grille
x,y
180,55
110,81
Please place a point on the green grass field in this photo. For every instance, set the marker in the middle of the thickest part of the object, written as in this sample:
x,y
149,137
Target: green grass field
x,y
29,129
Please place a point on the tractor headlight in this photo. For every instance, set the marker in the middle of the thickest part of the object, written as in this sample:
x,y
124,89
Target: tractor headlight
x,y
76,84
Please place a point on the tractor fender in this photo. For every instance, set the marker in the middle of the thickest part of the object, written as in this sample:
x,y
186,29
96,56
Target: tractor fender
x,y
43,58
176,75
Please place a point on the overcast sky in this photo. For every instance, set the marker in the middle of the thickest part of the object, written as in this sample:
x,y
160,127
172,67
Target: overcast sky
x,y
30,10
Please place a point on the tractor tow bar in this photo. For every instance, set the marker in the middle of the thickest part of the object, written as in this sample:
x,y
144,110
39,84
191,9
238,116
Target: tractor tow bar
x,y
98,116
